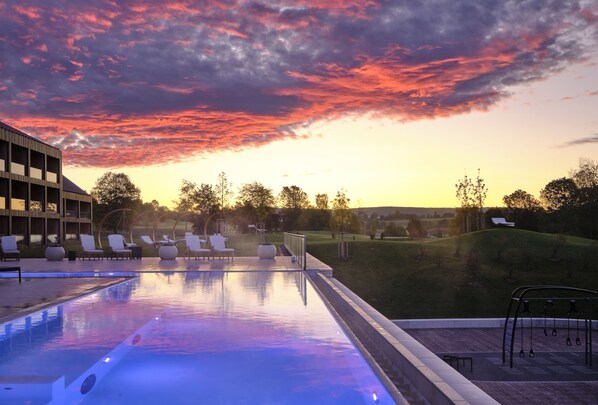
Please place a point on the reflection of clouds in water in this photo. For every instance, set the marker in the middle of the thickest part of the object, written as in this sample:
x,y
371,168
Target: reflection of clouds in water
x,y
219,326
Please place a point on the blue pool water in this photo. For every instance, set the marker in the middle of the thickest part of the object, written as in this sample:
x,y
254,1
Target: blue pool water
x,y
187,338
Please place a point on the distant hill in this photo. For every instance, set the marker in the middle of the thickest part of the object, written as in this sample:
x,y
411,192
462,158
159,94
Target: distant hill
x,y
419,211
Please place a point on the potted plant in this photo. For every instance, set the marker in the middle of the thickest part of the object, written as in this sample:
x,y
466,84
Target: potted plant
x,y
265,249
168,251
54,251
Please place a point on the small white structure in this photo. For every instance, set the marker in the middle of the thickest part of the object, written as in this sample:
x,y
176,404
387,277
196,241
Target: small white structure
x,y
502,222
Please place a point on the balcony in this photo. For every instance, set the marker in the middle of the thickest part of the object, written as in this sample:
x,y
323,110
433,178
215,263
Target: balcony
x,y
71,214
35,173
17,204
51,176
17,168
36,205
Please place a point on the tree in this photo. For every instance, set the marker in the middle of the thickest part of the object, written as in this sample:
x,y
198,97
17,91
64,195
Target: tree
x,y
200,199
292,200
415,228
520,199
257,198
586,179
523,208
479,196
465,195
586,176
113,191
223,190
322,201
341,216
116,190
293,197
198,202
559,194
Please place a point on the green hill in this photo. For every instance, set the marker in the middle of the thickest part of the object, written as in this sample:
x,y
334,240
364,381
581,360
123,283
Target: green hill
x,y
427,279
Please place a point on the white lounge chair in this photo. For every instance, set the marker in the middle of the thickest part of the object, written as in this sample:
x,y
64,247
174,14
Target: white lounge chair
x,y
88,244
502,222
9,248
194,247
117,246
218,247
155,243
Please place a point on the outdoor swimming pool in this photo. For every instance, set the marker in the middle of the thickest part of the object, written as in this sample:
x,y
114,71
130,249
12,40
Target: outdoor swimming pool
x,y
187,338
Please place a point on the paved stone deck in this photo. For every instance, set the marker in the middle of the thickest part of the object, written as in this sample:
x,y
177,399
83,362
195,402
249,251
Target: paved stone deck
x,y
557,374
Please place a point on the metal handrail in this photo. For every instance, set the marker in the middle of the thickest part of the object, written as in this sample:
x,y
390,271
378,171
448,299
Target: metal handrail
x,y
296,244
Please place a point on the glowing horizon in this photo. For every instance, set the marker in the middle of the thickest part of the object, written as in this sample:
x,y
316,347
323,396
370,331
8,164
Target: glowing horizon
x,y
392,102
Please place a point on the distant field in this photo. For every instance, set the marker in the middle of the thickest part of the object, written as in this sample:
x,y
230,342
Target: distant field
x,y
409,279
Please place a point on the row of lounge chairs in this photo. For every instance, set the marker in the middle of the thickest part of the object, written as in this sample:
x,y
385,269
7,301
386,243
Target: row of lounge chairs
x,y
119,248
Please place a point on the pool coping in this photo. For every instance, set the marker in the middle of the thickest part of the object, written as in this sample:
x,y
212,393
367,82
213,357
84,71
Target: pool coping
x,y
432,378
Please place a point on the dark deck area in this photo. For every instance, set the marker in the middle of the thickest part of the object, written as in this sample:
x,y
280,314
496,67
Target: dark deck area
x,y
557,374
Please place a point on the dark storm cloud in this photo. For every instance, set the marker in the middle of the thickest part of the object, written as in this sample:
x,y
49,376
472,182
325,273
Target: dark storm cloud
x,y
107,81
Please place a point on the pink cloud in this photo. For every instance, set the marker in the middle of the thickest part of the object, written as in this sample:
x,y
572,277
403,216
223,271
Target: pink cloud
x,y
170,80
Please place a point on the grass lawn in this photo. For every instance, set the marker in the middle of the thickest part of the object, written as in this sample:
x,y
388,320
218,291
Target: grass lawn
x,y
412,279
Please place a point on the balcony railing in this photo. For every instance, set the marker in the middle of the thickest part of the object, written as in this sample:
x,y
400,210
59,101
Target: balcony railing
x,y
17,168
35,205
51,176
2,203
71,214
17,204
52,207
35,173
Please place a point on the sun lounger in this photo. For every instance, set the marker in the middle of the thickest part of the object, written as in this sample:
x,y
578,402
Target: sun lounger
x,y
218,247
88,244
117,247
194,247
155,243
9,249
502,222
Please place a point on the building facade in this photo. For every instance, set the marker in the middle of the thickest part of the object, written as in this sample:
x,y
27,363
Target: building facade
x,y
37,203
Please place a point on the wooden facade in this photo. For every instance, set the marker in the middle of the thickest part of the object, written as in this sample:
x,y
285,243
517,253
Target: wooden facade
x,y
37,203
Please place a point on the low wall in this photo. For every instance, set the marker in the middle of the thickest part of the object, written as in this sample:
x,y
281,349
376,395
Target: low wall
x,y
427,378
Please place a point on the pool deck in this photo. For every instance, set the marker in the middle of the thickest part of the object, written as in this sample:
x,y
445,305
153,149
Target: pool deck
x,y
556,375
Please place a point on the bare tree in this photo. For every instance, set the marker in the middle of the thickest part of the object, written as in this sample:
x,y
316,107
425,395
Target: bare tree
x,y
479,196
224,191
465,195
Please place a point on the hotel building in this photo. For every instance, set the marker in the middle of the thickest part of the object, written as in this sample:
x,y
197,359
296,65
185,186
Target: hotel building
x,y
37,203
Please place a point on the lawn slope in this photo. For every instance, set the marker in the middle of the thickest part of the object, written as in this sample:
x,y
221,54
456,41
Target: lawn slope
x,y
468,276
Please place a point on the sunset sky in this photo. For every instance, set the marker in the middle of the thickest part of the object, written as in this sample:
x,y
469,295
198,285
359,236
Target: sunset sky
x,y
393,101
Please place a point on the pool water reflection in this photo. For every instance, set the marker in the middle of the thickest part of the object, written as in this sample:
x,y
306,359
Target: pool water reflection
x,y
209,337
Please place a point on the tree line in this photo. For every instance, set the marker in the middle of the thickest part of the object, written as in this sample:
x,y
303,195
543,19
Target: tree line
x,y
253,203
567,205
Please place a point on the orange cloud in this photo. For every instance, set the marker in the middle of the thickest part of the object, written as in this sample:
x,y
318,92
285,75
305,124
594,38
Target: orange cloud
x,y
117,84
